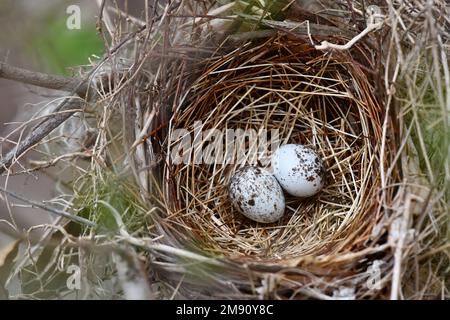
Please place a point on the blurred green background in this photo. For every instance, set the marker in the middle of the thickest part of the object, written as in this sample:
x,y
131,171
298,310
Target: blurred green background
x,y
35,34
60,48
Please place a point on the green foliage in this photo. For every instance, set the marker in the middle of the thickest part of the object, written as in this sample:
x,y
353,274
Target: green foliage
x,y
60,48
430,134
120,195
264,9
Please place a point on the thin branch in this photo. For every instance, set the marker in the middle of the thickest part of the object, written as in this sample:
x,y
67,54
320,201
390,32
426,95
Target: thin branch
x,y
61,213
65,111
327,45
375,21
43,80
300,28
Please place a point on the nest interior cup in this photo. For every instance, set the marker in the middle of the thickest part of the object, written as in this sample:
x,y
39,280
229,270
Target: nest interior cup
x,y
310,97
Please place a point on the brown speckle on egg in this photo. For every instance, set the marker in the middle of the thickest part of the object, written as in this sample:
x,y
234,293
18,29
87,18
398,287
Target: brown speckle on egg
x,y
298,169
256,193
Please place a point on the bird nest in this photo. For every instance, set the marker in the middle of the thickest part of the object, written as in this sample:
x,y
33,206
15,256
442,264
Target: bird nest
x,y
242,106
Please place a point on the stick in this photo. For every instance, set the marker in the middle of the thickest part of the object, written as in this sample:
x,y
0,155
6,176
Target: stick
x,y
327,45
43,80
42,130
62,112
49,209
375,21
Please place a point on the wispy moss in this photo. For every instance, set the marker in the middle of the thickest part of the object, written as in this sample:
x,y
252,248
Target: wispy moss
x,y
264,9
428,117
119,195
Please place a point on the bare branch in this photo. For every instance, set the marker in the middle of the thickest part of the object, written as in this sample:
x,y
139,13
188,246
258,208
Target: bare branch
x,y
43,80
374,22
64,111
61,213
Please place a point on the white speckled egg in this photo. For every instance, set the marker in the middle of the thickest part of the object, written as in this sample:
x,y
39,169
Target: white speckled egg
x,y
256,194
298,169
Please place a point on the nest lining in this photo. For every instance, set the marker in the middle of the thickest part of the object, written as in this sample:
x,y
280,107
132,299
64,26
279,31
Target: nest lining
x,y
312,98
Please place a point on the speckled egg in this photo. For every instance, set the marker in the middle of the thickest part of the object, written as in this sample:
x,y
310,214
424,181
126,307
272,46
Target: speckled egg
x,y
256,194
298,169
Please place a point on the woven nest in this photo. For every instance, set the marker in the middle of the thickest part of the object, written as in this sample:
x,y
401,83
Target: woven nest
x,y
322,101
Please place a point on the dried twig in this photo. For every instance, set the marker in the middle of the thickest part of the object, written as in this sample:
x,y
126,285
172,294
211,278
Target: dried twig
x,y
374,22
44,80
61,213
64,111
